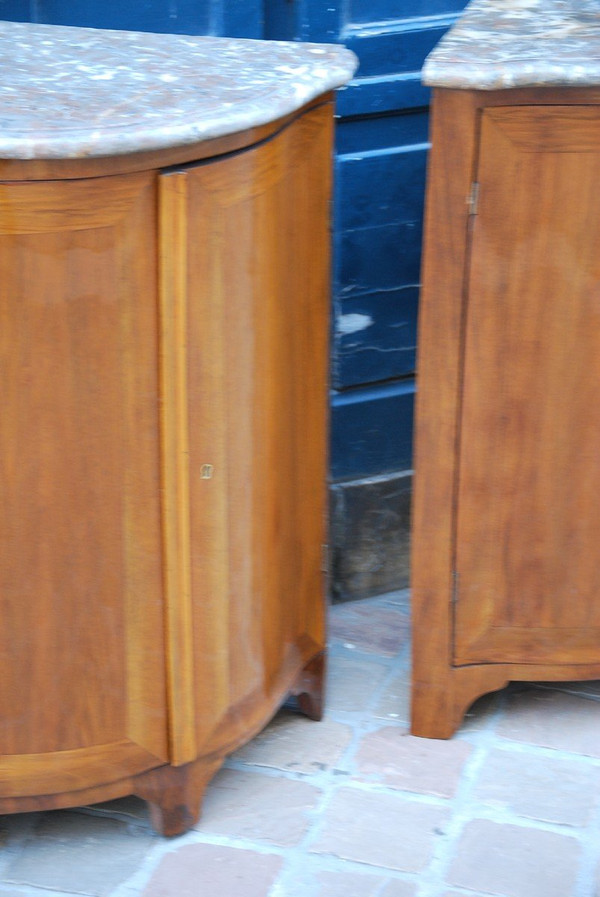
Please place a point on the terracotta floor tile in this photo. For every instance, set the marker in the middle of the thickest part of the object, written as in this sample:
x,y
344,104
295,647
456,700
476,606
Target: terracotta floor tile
x,y
204,870
246,804
324,883
515,861
561,790
390,756
377,625
385,830
399,889
293,743
394,703
352,683
553,719
80,854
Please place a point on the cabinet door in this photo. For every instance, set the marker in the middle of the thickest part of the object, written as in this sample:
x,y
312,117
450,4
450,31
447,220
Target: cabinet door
x,y
82,679
528,519
246,292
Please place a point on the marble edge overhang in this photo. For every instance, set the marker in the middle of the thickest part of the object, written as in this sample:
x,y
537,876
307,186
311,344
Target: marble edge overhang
x,y
504,44
311,70
506,76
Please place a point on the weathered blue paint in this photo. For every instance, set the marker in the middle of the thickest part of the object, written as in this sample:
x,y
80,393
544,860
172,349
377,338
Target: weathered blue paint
x,y
372,430
391,55
357,135
378,214
150,15
241,19
384,10
376,338
220,17
380,173
379,217
311,20
15,10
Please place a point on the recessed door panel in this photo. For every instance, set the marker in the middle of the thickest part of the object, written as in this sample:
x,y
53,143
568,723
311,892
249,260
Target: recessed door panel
x,y
528,519
80,573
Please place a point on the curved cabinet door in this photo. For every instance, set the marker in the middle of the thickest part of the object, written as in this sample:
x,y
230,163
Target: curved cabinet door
x,y
246,289
81,655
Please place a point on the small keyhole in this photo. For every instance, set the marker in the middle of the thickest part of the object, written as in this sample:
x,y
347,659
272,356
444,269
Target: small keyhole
x,y
206,472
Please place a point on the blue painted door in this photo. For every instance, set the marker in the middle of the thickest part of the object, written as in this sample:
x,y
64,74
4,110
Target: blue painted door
x,y
380,179
380,174
234,18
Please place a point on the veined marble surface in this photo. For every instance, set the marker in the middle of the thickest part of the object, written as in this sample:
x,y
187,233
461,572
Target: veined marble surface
x,y
519,43
74,92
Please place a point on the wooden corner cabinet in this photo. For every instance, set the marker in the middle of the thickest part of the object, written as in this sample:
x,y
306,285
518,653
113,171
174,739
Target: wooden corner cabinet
x,y
164,349
506,564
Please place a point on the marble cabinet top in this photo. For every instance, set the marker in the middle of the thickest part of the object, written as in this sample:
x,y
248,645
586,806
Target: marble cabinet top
x,y
68,93
519,43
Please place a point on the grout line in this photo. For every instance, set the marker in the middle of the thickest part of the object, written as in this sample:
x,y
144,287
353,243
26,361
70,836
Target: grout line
x,y
588,880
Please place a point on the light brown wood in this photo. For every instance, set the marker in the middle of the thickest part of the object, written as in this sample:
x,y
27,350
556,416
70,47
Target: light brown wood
x,y
174,793
174,405
53,772
164,361
258,413
80,514
531,129
528,524
506,524
450,175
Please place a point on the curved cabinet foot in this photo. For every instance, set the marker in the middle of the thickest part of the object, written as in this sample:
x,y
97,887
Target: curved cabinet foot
x,y
174,794
439,707
309,688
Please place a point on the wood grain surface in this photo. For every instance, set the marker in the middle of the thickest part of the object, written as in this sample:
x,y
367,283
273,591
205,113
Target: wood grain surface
x,y
163,468
506,522
80,576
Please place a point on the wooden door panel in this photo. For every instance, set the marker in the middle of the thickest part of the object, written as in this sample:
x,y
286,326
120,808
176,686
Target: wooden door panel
x,y
80,574
254,420
528,525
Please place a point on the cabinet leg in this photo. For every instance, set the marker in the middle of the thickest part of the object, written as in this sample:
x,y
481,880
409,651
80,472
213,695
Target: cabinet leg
x,y
309,687
438,707
174,794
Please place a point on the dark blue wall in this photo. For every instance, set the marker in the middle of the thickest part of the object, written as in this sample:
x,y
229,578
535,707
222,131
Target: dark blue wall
x,y
380,176
235,18
378,217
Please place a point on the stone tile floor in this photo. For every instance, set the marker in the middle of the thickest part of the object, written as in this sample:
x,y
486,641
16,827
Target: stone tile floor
x,y
354,806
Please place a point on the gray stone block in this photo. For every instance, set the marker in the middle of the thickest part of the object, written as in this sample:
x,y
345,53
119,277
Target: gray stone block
x,y
369,536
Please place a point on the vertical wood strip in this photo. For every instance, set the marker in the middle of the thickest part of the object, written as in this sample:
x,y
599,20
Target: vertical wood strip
x,y
450,175
220,376
175,465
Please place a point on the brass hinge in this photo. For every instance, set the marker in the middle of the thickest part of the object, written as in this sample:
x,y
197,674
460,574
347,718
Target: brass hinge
x,y
473,198
454,598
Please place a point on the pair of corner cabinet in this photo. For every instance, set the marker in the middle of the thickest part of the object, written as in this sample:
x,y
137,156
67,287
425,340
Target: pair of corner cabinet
x,y
506,539
164,345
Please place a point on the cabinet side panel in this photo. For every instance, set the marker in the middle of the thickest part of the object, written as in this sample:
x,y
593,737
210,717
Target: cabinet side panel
x,y
80,572
450,174
258,335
